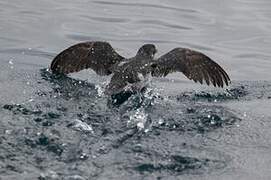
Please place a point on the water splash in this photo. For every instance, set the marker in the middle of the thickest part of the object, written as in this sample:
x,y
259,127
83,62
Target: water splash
x,y
138,118
82,126
100,90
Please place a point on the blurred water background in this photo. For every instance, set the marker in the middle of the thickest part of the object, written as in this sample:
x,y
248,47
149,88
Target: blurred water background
x,y
64,128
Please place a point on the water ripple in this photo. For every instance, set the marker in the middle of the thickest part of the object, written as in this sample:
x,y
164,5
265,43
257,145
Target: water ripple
x,y
30,52
147,5
107,19
163,23
81,37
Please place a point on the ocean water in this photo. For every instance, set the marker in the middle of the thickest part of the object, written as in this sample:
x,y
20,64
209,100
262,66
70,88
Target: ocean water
x,y
65,127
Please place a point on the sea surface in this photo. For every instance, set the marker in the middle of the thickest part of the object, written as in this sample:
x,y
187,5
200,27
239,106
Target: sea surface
x,y
66,128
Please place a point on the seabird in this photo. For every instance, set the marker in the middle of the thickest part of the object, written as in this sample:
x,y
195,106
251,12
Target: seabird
x,y
104,60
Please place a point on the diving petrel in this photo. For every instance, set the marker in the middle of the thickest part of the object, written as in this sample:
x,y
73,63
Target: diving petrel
x,y
104,60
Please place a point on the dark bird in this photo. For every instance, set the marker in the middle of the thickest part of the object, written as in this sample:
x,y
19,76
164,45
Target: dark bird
x,y
104,60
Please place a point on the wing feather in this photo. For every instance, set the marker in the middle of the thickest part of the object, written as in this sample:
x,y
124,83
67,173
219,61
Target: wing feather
x,y
193,64
99,56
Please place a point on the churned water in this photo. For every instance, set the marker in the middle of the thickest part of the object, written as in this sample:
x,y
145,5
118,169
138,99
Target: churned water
x,y
66,128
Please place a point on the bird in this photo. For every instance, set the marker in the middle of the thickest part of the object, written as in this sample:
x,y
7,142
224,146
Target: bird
x,y
128,72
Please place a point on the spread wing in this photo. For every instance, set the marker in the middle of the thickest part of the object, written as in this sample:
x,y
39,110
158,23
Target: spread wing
x,y
99,56
194,65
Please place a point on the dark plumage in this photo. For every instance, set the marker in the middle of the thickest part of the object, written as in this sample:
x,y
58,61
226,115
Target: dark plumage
x,y
104,60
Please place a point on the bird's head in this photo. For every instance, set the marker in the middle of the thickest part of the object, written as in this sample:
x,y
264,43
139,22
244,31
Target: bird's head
x,y
147,50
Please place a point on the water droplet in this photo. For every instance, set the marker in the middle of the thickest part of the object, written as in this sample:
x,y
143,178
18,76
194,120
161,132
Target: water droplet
x,y
161,121
10,61
146,130
83,156
8,131
245,114
30,100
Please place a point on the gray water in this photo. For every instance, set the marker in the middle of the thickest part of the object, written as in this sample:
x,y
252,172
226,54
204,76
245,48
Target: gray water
x,y
65,129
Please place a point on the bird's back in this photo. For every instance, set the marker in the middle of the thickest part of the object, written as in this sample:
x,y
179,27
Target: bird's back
x,y
130,73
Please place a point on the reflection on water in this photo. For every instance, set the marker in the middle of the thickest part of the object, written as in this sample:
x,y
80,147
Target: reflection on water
x,y
57,127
